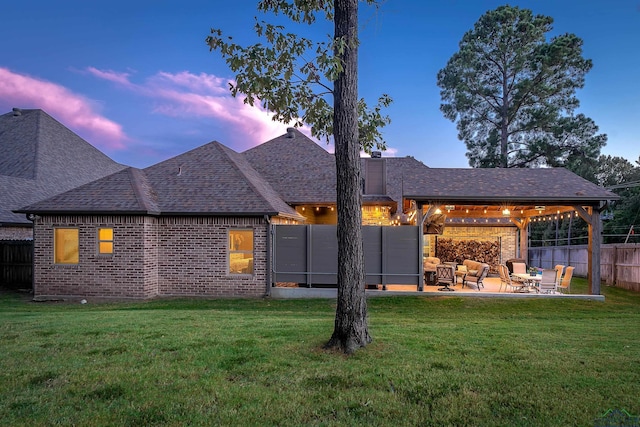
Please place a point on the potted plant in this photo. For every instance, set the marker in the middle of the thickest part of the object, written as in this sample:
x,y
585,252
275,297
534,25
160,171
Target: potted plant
x,y
533,271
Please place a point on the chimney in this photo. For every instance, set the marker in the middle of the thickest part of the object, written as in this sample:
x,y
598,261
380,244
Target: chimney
x,y
17,112
291,133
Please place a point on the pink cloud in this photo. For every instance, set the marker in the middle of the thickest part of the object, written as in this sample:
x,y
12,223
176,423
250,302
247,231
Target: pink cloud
x,y
121,78
75,111
185,94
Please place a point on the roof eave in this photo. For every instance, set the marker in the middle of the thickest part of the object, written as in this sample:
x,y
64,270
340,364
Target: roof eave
x,y
85,212
501,200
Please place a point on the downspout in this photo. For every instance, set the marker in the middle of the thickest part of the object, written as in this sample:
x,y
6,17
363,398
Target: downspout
x,y
32,218
268,279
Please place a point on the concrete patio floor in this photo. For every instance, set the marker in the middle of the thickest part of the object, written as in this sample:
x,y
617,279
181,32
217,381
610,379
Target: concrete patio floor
x,y
491,290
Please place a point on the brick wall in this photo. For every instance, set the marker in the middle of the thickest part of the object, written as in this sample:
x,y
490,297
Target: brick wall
x,y
376,215
183,256
192,257
118,275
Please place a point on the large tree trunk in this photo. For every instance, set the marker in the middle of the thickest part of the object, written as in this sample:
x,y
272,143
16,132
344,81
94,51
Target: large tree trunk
x,y
351,331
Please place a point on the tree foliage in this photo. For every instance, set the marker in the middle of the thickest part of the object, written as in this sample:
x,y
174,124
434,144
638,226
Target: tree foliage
x,y
292,76
623,178
295,78
512,93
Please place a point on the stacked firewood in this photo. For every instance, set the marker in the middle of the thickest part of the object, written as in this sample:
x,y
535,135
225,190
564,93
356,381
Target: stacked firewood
x,y
487,251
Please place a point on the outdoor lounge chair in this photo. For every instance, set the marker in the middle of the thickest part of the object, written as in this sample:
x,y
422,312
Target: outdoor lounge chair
x,y
429,265
559,269
445,274
476,279
565,283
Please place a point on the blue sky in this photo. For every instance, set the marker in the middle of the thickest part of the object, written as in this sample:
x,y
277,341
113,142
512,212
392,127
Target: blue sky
x,y
136,79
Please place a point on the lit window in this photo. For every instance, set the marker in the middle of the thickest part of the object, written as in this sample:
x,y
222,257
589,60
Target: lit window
x,y
105,240
65,246
241,251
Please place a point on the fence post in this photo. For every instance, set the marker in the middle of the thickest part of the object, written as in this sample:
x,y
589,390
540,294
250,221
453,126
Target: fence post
x,y
614,262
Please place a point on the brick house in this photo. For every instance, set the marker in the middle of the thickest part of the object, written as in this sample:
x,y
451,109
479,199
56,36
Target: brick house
x,y
200,224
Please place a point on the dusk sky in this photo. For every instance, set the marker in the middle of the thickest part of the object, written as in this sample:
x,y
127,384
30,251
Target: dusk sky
x,y
137,80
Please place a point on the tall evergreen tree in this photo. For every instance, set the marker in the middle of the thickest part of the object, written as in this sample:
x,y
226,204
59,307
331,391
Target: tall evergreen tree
x,y
512,93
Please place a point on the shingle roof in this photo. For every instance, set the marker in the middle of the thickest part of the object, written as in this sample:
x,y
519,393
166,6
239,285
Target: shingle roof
x,y
209,180
122,192
214,179
497,184
292,169
39,157
296,167
400,172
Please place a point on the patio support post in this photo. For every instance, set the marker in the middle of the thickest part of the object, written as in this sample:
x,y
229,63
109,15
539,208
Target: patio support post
x,y
420,222
592,217
524,238
595,237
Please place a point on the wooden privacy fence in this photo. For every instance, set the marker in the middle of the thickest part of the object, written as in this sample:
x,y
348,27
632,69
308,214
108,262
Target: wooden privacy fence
x,y
15,263
619,263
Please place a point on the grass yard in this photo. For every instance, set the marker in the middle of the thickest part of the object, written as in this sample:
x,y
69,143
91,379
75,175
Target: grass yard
x,y
433,362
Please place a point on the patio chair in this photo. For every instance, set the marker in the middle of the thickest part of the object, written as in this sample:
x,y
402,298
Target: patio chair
x,y
559,269
505,279
565,283
518,268
547,283
478,278
445,274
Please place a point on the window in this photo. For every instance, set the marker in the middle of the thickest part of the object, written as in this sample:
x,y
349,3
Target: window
x,y
240,251
65,246
105,240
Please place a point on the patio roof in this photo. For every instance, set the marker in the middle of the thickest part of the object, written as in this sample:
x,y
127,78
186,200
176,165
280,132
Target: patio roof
x,y
496,186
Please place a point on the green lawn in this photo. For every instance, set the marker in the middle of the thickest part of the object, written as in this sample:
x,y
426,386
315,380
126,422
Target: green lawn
x,y
433,362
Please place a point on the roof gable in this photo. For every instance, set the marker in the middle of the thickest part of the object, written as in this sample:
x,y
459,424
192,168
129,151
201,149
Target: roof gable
x,y
296,167
213,179
39,157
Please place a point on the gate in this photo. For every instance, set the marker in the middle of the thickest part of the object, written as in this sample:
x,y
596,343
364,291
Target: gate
x,y
15,263
308,254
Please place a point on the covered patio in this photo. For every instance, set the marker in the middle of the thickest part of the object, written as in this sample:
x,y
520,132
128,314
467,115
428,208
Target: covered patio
x,y
475,197
489,210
